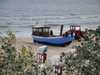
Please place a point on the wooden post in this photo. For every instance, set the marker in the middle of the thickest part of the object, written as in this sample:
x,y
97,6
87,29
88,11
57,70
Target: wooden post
x,y
61,30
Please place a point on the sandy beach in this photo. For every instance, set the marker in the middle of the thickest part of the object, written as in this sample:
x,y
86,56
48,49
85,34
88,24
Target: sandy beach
x,y
52,50
25,39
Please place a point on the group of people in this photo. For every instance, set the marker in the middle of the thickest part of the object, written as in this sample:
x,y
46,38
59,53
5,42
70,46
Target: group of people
x,y
57,67
42,57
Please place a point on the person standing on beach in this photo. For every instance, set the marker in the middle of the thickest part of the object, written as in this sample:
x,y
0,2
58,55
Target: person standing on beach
x,y
51,33
44,57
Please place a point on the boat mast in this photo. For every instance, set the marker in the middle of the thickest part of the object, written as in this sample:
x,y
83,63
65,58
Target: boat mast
x,y
61,30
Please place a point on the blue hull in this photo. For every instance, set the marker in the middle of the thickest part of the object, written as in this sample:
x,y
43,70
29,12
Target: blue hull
x,y
58,41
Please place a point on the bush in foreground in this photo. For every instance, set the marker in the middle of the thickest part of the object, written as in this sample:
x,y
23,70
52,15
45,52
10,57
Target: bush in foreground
x,y
86,59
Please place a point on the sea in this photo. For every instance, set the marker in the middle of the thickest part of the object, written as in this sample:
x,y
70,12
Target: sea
x,y
20,15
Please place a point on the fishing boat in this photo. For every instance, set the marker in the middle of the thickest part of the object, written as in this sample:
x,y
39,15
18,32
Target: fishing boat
x,y
45,36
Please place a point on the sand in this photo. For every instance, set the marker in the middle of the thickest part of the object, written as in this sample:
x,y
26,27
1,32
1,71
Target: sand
x,y
52,50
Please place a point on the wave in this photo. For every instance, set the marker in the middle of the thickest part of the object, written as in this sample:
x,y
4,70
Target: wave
x,y
29,21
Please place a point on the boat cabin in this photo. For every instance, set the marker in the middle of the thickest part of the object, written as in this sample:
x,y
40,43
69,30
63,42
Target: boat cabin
x,y
41,31
75,28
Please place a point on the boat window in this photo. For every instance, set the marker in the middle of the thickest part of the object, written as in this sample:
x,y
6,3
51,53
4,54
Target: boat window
x,y
40,30
46,30
77,28
34,30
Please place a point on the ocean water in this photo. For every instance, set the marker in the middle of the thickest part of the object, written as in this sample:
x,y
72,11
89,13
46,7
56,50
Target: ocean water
x,y
20,15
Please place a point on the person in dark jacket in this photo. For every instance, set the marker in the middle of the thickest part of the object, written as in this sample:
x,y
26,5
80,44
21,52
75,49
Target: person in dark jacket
x,y
51,32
